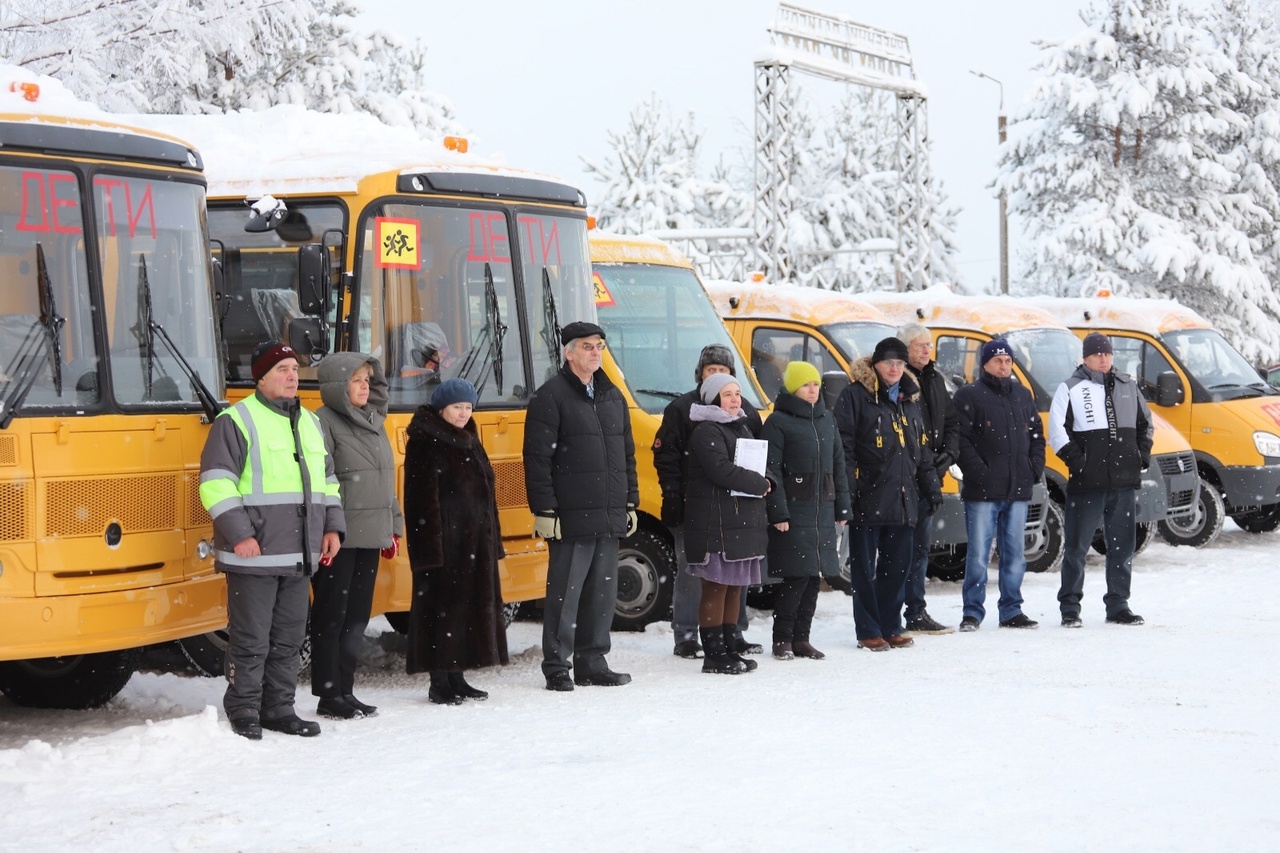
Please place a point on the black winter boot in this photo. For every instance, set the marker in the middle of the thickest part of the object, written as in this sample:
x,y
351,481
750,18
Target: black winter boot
x,y
715,657
466,691
732,636
442,692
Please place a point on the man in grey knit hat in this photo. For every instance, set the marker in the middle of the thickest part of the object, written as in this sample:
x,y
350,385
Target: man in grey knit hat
x,y
669,459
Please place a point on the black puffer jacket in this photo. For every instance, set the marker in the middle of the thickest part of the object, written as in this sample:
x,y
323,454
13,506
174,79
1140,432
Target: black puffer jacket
x,y
1001,440
806,455
670,451
886,449
717,522
579,456
939,416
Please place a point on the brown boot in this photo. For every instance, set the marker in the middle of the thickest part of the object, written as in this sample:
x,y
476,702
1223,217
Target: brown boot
x,y
782,651
804,649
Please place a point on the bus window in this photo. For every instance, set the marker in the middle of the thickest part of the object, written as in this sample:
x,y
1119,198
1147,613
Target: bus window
x,y
40,222
155,271
773,349
553,244
957,357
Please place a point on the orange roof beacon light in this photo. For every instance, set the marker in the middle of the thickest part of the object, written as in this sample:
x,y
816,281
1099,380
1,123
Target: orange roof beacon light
x,y
30,91
456,143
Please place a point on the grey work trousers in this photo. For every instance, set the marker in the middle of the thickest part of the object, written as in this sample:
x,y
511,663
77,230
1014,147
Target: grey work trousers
x,y
266,624
686,595
1117,511
582,591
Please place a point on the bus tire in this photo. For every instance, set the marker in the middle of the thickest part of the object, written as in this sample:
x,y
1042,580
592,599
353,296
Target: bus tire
x,y
74,682
1262,520
1203,526
646,565
1145,532
1044,550
947,564
207,653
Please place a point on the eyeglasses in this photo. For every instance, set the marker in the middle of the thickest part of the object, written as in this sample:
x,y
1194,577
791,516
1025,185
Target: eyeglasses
x,y
600,347
894,363
924,346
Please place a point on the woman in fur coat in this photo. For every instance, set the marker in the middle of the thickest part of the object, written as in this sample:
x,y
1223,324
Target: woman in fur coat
x,y
455,621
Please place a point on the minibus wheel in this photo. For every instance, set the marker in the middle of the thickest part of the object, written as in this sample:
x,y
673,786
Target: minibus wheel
x,y
646,569
73,682
1202,526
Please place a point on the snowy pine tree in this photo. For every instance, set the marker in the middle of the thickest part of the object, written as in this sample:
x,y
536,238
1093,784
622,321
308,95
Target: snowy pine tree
x,y
192,56
1127,168
651,180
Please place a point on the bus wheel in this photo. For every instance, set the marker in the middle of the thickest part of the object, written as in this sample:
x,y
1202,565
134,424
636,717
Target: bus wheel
x,y
1262,520
1143,536
1044,550
841,582
947,564
509,611
75,682
646,563
399,621
206,652
1202,526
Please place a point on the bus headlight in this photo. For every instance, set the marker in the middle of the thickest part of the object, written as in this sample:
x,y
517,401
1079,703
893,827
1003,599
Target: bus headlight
x,y
1268,444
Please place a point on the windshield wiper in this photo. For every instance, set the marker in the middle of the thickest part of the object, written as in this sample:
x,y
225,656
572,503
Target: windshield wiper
x,y
670,395
489,341
45,336
148,329
550,320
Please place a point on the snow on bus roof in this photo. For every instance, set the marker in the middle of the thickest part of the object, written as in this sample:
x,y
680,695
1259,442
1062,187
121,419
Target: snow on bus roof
x,y
940,305
1150,316
782,301
608,247
284,149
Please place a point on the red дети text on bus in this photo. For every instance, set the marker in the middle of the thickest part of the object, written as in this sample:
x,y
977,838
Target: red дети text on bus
x,y
489,241
112,189
51,204
55,197
540,242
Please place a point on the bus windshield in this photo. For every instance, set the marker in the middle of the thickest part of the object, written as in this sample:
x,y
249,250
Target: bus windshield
x,y
657,319
443,298
1047,357
855,340
1217,366
155,272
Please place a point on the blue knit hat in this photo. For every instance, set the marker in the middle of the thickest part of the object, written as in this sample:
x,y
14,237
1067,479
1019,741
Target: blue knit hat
x,y
453,391
996,347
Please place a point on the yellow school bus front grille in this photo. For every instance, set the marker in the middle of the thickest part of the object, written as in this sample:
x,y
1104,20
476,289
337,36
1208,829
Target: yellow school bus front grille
x,y
509,484
86,507
197,515
15,501
8,451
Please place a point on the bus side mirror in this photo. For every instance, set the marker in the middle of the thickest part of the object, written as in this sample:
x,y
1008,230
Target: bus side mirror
x,y
313,279
309,336
1169,390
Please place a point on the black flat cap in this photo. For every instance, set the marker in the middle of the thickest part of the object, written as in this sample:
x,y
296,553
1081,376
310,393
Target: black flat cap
x,y
579,329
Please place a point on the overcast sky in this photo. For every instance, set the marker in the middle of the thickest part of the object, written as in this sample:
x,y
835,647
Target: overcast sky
x,y
541,84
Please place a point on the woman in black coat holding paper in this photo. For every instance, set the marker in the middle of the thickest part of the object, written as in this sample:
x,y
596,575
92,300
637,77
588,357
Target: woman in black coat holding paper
x,y
725,538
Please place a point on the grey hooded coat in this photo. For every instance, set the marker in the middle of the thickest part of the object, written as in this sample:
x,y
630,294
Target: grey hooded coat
x,y
361,452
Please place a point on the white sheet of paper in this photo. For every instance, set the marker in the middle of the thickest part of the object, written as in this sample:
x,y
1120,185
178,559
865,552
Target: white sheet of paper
x,y
752,454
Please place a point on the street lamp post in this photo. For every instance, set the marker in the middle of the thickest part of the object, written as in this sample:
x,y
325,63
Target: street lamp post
x,y
1001,127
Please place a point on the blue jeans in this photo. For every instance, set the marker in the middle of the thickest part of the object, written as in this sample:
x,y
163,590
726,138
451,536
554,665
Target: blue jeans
x,y
1001,522
1116,511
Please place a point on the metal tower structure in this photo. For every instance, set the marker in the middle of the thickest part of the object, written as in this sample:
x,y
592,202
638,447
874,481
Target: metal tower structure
x,y
837,48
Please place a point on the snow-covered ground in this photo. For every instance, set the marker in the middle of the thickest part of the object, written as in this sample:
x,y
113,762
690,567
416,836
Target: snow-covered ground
x,y
1162,737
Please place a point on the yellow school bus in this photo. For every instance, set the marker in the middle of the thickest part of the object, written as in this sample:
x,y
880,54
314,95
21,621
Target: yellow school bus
x,y
338,233
657,318
1214,398
1045,352
109,374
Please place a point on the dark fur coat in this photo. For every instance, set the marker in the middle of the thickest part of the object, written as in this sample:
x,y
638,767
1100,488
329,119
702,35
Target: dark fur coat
x,y
454,543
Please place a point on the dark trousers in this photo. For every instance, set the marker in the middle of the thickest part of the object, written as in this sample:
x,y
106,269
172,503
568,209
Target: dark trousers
x,y
582,590
919,568
1116,510
878,561
342,597
266,624
794,607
